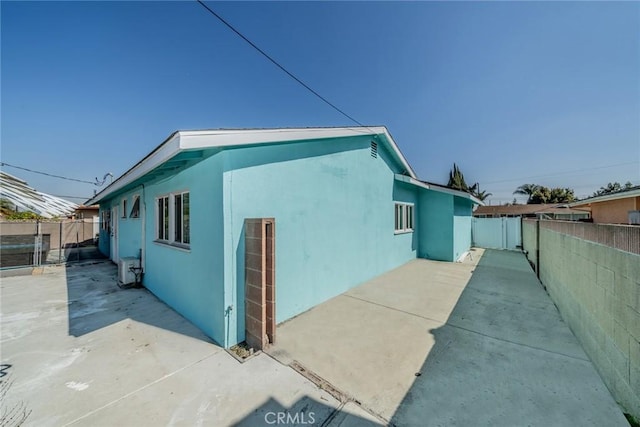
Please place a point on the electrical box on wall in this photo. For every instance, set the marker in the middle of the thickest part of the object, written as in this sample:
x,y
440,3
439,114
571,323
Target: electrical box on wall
x,y
126,275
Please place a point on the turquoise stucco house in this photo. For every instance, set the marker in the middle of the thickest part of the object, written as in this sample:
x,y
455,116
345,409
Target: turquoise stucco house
x,y
345,205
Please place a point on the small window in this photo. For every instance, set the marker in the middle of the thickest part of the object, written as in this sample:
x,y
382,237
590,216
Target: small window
x,y
135,209
173,219
123,205
374,149
181,217
404,218
106,220
163,218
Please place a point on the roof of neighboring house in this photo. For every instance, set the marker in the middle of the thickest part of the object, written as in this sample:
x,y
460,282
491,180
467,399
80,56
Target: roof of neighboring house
x,y
562,210
631,192
28,199
88,208
185,141
531,209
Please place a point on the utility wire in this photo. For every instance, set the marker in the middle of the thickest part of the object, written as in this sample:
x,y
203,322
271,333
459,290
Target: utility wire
x,y
72,197
46,174
278,64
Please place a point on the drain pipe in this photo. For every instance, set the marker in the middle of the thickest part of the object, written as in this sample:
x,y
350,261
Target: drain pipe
x,y
143,242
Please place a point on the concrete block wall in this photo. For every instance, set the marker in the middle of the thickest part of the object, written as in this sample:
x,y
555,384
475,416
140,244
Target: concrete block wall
x,y
259,283
597,290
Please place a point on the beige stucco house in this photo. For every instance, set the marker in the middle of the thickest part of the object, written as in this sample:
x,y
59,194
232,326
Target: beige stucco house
x,y
617,208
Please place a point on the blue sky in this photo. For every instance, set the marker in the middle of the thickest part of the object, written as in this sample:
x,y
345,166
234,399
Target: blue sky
x,y
537,92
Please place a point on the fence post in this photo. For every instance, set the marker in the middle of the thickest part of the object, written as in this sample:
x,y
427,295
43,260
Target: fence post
x,y
60,242
538,247
37,245
77,242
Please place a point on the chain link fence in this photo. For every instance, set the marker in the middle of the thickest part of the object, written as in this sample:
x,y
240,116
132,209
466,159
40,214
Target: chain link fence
x,y
35,243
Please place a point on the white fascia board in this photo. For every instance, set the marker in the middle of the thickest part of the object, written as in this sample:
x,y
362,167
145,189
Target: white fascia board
x,y
164,152
399,154
614,196
194,140
200,139
221,138
456,193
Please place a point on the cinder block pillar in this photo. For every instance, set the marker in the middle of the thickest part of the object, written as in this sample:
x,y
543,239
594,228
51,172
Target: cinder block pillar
x,y
259,282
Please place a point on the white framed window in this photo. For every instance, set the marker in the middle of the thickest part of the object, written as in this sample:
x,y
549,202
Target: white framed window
x,y
123,208
162,210
135,207
106,220
181,218
404,217
173,219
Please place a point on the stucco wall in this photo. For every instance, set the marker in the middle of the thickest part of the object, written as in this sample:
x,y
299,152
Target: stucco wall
x,y
614,211
129,229
597,290
333,205
436,225
462,211
190,281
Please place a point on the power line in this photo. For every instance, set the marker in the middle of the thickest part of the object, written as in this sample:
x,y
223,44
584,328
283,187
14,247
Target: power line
x,y
47,174
72,197
277,64
562,173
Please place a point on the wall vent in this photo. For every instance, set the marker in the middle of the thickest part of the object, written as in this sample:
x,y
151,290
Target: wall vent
x,y
374,149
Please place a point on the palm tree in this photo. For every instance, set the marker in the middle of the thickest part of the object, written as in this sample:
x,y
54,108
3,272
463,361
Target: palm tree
x,y
527,190
481,195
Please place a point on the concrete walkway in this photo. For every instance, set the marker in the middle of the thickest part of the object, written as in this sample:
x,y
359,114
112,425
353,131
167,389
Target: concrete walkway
x,y
473,343
77,350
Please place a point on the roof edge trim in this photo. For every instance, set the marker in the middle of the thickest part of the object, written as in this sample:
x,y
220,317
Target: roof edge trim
x,y
457,193
201,139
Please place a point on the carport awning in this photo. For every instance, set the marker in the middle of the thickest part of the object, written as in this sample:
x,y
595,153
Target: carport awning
x,y
438,188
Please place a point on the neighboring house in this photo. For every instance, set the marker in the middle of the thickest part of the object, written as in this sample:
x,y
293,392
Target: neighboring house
x,y
208,209
622,207
85,212
540,211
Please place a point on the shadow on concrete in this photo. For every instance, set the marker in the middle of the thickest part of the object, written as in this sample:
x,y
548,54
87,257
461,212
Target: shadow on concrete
x,y
305,411
95,301
505,357
73,253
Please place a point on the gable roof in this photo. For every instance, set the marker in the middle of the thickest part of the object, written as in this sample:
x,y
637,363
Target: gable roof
x,y
623,194
192,140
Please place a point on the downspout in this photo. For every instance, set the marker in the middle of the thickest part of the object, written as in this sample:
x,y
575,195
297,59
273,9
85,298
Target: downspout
x,y
143,242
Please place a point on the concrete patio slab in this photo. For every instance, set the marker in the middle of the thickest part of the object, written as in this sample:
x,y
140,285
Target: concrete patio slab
x,y
473,343
78,350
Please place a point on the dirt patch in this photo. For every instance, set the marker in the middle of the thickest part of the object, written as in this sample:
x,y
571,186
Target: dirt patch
x,y
242,351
